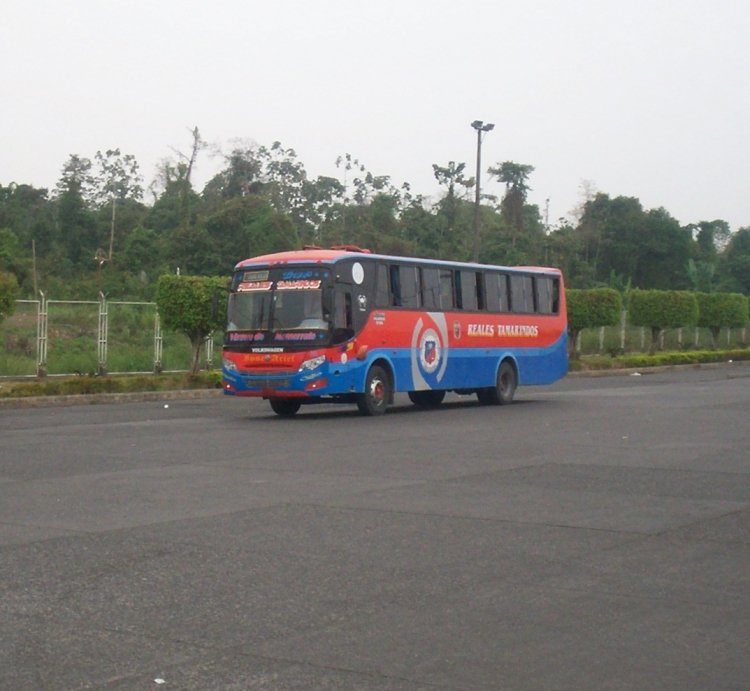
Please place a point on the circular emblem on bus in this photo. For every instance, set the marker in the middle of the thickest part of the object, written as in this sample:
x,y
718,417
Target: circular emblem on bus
x,y
358,273
429,350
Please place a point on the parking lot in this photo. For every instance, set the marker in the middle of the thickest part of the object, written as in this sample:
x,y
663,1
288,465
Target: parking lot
x,y
593,535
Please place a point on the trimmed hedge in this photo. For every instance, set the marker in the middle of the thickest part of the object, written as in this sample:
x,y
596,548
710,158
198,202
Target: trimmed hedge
x,y
722,310
590,309
662,309
693,357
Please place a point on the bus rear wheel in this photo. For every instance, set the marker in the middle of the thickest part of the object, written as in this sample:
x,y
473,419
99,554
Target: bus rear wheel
x,y
284,407
505,388
426,399
377,394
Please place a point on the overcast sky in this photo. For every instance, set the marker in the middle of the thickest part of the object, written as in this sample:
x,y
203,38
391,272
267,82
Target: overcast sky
x,y
641,98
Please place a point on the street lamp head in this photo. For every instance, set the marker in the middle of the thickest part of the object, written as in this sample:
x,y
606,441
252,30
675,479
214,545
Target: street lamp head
x,y
480,126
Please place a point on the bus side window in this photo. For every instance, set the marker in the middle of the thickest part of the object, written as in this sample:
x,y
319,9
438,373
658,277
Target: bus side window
x,y
492,291
409,286
467,289
503,292
381,286
447,300
555,296
481,298
521,293
343,328
544,294
430,289
395,282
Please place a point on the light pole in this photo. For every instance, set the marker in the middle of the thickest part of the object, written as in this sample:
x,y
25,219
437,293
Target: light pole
x,y
480,127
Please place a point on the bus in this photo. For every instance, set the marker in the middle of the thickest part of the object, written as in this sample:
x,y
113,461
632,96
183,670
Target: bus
x,y
345,325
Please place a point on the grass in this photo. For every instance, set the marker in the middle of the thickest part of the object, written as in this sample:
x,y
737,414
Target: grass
x,y
88,384
640,360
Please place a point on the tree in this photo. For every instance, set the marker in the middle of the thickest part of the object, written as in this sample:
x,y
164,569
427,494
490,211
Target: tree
x,y
664,253
514,176
453,224
662,309
590,309
185,305
117,179
735,263
175,180
8,295
244,227
28,213
721,310
77,225
10,253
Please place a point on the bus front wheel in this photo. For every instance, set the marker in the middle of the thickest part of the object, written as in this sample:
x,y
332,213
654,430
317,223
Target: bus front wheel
x,y
284,407
377,394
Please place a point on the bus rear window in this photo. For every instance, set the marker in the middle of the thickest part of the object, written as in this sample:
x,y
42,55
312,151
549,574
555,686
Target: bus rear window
x,y
547,294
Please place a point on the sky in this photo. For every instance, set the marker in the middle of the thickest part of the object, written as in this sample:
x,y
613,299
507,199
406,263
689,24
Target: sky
x,y
648,99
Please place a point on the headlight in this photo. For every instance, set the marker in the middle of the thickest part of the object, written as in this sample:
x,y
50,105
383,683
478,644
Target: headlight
x,y
312,363
228,365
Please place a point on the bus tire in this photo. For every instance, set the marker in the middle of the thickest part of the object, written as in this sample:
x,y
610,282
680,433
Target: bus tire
x,y
426,399
507,381
505,387
285,407
377,394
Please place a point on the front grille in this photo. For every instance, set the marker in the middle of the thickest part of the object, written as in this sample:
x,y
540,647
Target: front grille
x,y
266,382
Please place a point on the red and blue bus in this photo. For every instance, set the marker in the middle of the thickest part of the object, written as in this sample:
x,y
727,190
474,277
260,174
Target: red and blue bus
x,y
349,326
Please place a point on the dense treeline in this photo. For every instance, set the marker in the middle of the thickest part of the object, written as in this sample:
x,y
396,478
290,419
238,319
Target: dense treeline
x,y
99,229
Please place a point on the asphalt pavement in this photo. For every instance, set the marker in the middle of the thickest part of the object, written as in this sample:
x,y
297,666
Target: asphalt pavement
x,y
593,535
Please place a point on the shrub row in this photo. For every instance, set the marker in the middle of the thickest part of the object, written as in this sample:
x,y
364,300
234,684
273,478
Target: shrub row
x,y
656,310
695,357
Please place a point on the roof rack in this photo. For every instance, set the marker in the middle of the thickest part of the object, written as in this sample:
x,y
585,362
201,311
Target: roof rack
x,y
350,248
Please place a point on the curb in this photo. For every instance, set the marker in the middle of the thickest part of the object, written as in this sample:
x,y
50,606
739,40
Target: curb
x,y
98,398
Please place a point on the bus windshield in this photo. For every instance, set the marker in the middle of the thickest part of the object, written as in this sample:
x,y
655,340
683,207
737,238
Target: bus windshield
x,y
276,310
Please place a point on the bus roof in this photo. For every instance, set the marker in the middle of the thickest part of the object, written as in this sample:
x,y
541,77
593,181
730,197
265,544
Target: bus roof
x,y
317,255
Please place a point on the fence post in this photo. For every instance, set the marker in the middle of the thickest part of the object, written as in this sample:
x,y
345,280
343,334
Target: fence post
x,y
158,343
103,330
41,336
209,343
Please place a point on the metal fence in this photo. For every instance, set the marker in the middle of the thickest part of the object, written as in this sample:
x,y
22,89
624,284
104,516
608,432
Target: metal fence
x,y
624,338
48,337
51,337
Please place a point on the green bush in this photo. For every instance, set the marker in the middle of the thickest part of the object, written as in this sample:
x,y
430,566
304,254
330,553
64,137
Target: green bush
x,y
662,309
589,309
643,361
721,310
185,305
8,294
